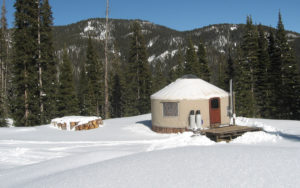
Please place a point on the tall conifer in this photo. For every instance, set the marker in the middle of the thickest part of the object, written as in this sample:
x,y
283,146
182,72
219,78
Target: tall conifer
x,y
67,102
191,60
289,88
229,72
25,80
83,94
95,79
247,64
48,63
159,80
179,71
274,77
261,82
117,92
138,75
203,68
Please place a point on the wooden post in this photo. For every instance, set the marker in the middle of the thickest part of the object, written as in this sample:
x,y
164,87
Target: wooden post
x,y
233,109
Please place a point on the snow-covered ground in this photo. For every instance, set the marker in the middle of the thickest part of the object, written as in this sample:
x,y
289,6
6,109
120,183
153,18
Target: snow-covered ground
x,y
126,153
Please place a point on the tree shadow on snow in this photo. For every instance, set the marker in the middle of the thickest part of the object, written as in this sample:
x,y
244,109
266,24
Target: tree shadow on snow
x,y
147,123
286,136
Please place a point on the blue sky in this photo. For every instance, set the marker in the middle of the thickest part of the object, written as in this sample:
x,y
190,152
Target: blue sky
x,y
176,14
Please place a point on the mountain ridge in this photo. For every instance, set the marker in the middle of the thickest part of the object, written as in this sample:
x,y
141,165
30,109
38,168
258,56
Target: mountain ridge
x,y
162,42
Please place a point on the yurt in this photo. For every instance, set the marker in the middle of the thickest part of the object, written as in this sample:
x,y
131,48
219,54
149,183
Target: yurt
x,y
189,103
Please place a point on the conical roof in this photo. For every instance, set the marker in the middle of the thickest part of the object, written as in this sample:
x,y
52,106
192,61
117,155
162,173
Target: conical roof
x,y
190,89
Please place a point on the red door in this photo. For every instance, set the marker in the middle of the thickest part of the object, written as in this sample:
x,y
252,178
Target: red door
x,y
214,111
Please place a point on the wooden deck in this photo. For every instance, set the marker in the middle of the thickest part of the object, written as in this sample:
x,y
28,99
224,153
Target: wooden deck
x,y
227,133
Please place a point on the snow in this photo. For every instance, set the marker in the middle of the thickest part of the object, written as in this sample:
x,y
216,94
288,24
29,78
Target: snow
x,y
96,28
151,58
163,55
190,89
150,44
89,27
221,41
292,35
234,27
126,153
175,41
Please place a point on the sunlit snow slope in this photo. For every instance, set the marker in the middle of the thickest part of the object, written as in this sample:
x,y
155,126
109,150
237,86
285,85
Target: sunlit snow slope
x,y
126,153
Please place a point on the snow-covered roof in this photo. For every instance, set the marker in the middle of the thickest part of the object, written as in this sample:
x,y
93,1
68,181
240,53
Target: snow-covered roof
x,y
190,89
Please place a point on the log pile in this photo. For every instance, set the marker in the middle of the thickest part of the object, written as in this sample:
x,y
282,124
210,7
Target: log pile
x,y
90,125
73,125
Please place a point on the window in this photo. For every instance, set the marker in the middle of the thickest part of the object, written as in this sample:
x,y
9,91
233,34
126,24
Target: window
x,y
170,108
215,103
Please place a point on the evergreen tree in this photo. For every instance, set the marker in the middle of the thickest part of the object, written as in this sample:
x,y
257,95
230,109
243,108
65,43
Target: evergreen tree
x,y
203,69
191,60
261,82
48,63
229,72
117,91
159,80
289,90
245,99
274,77
180,64
67,102
95,80
138,75
178,70
83,93
25,80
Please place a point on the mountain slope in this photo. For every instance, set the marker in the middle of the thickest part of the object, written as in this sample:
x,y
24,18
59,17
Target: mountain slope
x,y
162,42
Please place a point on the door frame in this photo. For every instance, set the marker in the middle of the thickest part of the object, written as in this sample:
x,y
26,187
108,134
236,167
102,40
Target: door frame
x,y
215,113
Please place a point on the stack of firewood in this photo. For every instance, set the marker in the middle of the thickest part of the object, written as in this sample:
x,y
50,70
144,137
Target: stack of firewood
x,y
78,127
90,125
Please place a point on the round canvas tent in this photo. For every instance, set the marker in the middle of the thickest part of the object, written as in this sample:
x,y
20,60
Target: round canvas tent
x,y
172,105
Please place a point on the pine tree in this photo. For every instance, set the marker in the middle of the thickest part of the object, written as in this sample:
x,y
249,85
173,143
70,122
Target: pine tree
x,y
178,70
229,72
48,64
261,82
274,77
138,75
191,60
180,64
95,80
245,99
289,90
203,69
159,80
67,102
83,94
117,92
25,80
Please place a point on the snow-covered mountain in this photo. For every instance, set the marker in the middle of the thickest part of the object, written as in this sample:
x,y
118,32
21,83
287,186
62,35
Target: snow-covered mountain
x,y
126,153
162,42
